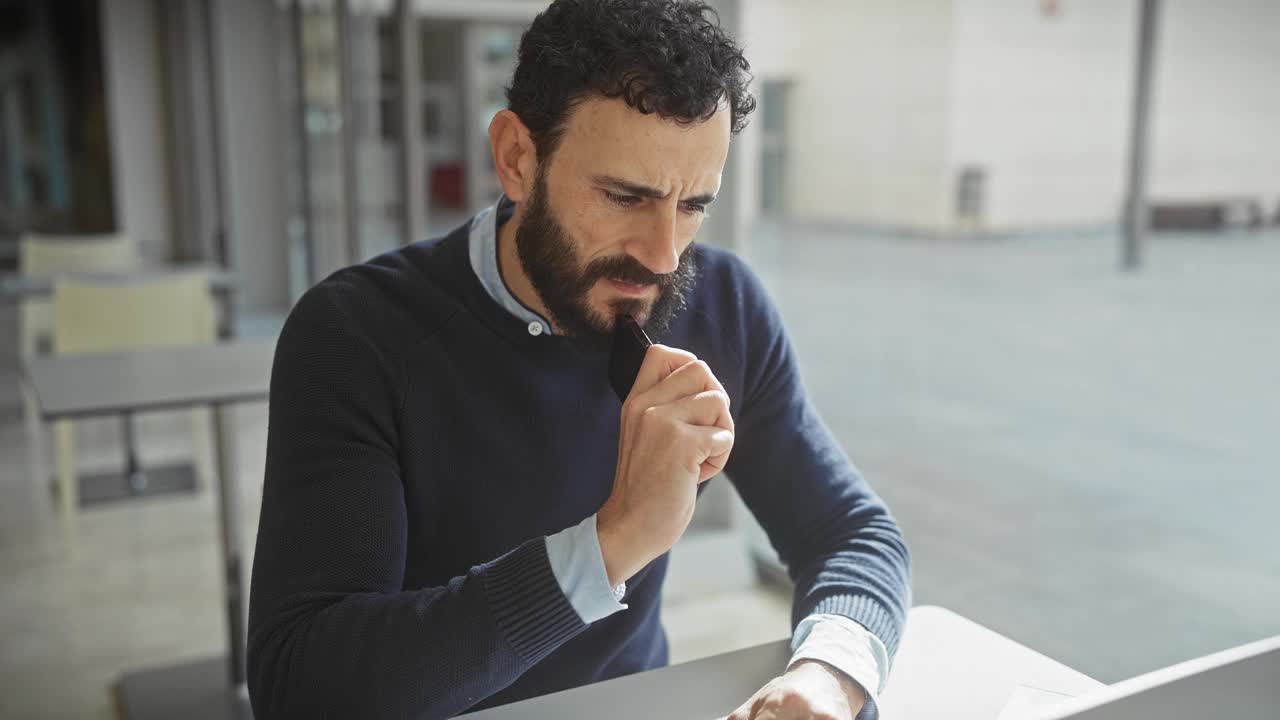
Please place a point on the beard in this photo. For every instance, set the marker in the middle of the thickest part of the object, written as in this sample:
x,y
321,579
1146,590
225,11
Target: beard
x,y
550,262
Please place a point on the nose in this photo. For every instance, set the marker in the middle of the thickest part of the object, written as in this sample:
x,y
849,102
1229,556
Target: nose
x,y
659,250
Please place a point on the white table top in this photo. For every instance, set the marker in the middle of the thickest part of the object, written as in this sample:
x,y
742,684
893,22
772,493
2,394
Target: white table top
x,y
947,667
108,383
951,667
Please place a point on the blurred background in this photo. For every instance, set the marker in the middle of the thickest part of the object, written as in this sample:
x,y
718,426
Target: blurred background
x,y
1033,280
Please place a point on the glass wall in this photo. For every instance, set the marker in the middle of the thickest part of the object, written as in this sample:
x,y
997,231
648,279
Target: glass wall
x,y
348,161
344,178
1082,456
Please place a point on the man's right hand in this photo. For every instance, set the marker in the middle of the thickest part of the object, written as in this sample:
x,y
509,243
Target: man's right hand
x,y
676,432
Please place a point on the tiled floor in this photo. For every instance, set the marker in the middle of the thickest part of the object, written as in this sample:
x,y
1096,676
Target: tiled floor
x,y
1080,459
1083,459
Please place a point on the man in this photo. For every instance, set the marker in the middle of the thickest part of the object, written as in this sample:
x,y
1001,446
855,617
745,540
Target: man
x,y
458,512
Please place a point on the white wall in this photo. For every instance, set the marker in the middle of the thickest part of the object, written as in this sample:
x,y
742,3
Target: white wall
x,y
868,118
892,99
1216,109
1042,104
135,104
762,33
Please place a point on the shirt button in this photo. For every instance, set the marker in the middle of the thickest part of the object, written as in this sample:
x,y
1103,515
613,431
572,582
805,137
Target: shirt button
x,y
535,328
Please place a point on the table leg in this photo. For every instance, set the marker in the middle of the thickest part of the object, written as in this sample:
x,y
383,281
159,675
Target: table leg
x,y
133,472
227,318
224,432
64,435
135,480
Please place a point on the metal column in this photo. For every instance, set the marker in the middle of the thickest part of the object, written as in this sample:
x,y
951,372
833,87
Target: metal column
x,y
305,200
224,432
412,155
222,246
348,135
1137,217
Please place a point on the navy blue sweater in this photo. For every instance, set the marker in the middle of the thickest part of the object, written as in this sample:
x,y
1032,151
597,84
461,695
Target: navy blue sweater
x,y
422,444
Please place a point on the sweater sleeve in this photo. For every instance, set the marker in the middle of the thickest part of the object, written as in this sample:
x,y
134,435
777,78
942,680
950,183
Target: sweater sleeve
x,y
332,631
841,546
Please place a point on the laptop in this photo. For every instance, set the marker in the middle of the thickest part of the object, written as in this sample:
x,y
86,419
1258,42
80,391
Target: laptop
x,y
1242,683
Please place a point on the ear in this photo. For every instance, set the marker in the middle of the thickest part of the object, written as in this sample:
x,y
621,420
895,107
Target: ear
x,y
514,156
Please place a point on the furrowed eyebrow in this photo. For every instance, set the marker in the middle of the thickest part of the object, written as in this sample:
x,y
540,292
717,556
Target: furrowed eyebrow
x,y
638,190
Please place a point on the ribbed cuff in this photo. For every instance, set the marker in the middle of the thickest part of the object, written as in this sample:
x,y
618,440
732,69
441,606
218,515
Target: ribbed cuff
x,y
531,610
866,612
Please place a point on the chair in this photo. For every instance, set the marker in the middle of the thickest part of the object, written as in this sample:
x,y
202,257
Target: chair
x,y
104,314
48,255
53,254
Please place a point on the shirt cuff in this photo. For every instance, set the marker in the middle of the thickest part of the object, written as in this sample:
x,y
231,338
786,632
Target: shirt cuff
x,y
578,564
848,647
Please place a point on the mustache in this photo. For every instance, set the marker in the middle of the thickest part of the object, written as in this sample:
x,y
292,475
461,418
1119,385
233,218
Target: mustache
x,y
629,270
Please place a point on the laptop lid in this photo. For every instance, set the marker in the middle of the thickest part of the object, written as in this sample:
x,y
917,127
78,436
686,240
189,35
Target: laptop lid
x,y
1242,683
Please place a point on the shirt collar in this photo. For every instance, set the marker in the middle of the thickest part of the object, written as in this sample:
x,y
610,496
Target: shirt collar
x,y
483,247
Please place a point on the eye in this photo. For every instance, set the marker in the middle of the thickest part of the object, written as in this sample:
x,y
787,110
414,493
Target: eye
x,y
694,208
621,200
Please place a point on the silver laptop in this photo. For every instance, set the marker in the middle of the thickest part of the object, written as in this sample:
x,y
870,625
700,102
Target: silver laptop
x,y
1238,684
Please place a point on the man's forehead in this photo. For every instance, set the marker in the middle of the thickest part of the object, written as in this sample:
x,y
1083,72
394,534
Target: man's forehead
x,y
614,139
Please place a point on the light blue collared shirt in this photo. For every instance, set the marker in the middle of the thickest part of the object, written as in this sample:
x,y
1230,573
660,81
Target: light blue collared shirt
x,y
575,555
483,250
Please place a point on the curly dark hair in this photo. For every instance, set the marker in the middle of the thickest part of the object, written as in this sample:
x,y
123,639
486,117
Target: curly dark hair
x,y
669,57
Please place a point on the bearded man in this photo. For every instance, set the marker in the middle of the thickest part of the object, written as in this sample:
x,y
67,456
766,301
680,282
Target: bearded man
x,y
459,513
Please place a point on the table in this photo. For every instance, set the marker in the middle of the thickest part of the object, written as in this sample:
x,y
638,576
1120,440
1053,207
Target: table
x,y
78,386
134,480
946,667
951,667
